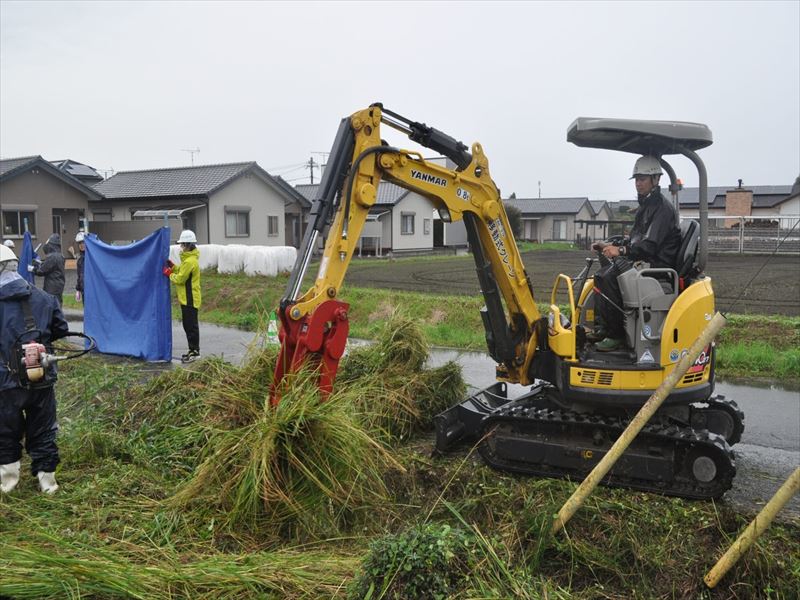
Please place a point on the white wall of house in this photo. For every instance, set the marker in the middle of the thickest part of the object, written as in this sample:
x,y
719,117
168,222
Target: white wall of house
x,y
416,210
263,201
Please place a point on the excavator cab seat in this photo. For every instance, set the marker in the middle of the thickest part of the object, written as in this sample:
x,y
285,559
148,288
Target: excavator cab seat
x,y
648,293
687,254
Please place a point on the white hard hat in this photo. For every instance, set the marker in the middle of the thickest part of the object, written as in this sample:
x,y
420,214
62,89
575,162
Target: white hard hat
x,y
647,165
6,254
9,244
187,237
79,236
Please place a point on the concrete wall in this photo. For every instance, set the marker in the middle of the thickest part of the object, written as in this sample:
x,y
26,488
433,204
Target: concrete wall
x,y
44,194
125,229
264,201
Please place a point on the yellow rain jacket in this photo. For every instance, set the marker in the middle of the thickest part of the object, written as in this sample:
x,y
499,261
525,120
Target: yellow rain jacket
x,y
186,277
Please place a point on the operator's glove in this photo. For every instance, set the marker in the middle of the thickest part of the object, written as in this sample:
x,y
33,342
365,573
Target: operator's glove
x,y
170,264
167,271
31,268
77,296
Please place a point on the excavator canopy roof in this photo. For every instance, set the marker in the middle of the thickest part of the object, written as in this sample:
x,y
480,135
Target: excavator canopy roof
x,y
639,137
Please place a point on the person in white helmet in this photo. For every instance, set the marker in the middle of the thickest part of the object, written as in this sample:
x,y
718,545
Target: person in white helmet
x,y
27,314
654,238
79,237
186,277
9,244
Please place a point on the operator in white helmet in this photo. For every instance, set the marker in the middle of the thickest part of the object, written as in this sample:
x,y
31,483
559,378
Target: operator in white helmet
x,y
186,277
9,244
26,411
654,238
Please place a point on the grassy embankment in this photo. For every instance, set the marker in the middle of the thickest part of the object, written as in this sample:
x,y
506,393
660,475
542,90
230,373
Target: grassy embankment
x,y
189,485
749,345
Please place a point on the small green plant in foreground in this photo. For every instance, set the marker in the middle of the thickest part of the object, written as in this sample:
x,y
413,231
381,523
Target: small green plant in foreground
x,y
427,562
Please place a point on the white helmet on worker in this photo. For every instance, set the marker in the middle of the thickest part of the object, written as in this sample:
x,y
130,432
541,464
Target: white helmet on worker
x,y
187,237
647,165
9,244
6,254
8,260
79,236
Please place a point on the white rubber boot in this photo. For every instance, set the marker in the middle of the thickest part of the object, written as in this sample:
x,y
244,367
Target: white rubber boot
x,y
47,481
9,477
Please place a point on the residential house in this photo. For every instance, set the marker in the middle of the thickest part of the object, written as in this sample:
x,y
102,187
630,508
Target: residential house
x,y
557,219
42,198
80,171
235,203
401,221
770,202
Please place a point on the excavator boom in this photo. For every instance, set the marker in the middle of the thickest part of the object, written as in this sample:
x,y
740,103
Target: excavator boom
x,y
315,323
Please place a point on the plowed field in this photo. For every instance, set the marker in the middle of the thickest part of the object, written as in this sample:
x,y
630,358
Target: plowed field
x,y
775,290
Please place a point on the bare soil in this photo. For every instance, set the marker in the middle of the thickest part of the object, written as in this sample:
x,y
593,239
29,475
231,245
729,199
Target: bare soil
x,y
775,289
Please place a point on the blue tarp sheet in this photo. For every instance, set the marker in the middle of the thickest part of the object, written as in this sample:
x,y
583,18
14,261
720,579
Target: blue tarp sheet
x,y
126,298
26,257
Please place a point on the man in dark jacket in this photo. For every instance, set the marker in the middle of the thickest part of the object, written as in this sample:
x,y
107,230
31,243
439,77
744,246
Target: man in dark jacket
x,y
51,268
23,411
655,238
79,239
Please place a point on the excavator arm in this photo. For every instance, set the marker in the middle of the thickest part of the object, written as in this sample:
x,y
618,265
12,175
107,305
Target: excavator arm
x,y
315,322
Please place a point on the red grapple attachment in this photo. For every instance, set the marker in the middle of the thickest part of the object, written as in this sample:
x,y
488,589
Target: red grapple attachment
x,y
317,339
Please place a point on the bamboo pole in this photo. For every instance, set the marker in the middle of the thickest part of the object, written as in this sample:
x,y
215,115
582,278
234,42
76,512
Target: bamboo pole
x,y
757,526
602,468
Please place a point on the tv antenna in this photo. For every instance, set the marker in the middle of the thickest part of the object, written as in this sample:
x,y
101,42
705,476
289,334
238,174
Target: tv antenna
x,y
191,153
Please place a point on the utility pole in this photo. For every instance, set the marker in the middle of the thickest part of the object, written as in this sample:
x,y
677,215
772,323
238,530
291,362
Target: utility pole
x,y
540,190
311,164
191,153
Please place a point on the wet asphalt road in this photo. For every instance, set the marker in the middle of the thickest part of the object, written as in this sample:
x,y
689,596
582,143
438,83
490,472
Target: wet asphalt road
x,y
768,453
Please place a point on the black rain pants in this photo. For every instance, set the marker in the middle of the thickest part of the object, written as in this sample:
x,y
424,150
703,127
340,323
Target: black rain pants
x,y
191,326
31,413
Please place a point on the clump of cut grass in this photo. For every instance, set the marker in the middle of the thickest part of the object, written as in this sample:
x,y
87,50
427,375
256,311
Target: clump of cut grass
x,y
398,395
50,566
303,467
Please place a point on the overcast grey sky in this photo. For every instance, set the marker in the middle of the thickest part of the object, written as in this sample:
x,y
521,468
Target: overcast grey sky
x,y
129,85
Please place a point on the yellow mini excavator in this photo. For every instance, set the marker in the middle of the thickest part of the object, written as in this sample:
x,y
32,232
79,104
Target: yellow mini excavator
x,y
579,400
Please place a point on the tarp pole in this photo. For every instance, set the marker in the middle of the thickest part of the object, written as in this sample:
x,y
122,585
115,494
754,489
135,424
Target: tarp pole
x,y
757,526
602,468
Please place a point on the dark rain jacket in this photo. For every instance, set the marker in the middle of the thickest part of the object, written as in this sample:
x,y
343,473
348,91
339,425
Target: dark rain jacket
x,y
655,237
46,313
52,269
79,268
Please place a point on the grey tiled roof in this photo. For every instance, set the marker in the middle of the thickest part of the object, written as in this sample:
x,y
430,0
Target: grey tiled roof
x,y
389,194
76,169
548,206
763,195
9,164
12,167
177,181
597,206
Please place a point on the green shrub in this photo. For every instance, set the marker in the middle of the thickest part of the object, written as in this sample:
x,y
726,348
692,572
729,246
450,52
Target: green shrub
x,y
425,562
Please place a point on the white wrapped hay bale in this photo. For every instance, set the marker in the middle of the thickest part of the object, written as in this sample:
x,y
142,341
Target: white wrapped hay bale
x,y
231,258
209,256
175,254
260,260
287,256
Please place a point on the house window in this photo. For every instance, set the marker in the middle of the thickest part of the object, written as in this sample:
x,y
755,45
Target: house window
x,y
237,222
407,223
14,222
272,225
559,229
426,226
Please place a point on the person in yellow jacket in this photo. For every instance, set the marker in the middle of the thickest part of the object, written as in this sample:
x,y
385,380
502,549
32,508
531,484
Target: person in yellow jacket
x,y
186,277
